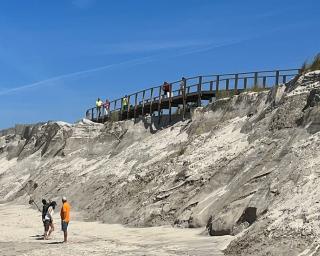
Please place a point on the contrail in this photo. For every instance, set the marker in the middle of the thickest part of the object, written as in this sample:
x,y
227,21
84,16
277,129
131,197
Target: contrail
x,y
78,73
133,62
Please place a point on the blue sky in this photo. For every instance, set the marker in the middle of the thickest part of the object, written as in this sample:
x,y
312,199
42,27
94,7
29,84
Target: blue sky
x,y
57,57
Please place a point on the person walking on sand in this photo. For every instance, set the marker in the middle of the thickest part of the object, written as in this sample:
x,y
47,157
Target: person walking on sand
x,y
48,220
65,217
45,206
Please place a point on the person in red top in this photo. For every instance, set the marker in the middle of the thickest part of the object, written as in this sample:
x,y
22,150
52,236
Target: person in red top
x,y
65,217
166,87
107,107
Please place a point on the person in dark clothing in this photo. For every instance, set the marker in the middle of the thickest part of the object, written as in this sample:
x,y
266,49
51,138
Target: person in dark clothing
x,y
45,206
182,85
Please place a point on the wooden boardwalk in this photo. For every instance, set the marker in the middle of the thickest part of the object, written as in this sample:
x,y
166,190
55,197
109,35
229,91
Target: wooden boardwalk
x,y
189,92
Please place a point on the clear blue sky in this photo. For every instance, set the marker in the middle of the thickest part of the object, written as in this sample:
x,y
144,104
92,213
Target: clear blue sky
x,y
57,56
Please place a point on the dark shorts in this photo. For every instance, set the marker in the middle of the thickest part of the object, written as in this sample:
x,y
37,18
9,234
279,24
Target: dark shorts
x,y
46,224
64,226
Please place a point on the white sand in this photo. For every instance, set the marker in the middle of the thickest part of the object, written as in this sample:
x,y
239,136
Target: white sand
x,y
21,229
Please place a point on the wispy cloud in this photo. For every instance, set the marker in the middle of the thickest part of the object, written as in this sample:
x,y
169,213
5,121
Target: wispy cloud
x,y
51,80
83,4
149,46
132,62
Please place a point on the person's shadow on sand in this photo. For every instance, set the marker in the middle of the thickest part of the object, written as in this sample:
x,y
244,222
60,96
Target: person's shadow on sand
x,y
55,243
37,236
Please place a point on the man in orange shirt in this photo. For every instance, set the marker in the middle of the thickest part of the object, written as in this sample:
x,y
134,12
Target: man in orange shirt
x,y
65,217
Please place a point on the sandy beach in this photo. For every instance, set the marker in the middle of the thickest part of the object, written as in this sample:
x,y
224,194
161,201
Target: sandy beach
x,y
21,230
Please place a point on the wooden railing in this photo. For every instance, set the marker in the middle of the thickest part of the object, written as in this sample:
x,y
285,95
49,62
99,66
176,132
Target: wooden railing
x,y
198,85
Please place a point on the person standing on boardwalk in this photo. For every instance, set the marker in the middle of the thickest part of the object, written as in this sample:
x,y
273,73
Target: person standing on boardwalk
x,y
125,103
182,85
99,105
65,218
107,107
166,87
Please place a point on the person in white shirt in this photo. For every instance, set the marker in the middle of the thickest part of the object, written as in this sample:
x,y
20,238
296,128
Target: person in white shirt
x,y
48,220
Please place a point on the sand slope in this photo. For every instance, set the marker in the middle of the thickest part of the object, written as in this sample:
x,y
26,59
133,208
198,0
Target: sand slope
x,y
20,229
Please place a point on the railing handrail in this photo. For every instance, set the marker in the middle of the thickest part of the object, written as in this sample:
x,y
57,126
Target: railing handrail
x,y
252,72
222,77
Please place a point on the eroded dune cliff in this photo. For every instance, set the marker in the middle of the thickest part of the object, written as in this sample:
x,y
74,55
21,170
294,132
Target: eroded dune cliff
x,y
246,166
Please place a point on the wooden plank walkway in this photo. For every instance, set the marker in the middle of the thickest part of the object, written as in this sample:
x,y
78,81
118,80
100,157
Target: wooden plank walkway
x,y
187,92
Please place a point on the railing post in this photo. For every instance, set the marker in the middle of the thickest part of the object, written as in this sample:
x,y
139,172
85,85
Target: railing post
x,y
103,114
264,83
135,105
236,78
211,85
143,94
277,77
184,81
151,101
170,98
255,80
115,107
159,104
92,113
217,85
284,79
128,106
121,109
245,82
199,91
227,87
